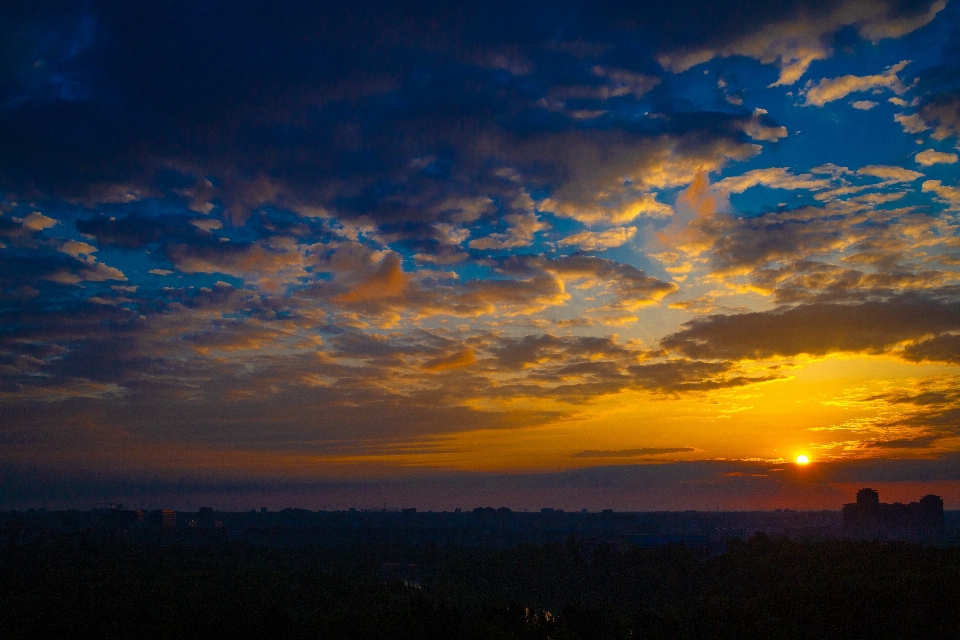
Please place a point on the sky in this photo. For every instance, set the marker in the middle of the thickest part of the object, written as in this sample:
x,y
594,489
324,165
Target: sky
x,y
436,255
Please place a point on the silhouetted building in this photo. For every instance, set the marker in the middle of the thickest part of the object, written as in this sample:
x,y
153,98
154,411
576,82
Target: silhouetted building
x,y
870,519
205,519
868,497
121,518
163,519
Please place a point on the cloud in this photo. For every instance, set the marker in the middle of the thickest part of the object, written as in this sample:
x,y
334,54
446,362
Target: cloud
x,y
632,453
613,178
817,329
577,369
691,376
135,232
521,229
631,287
946,194
624,81
703,304
36,221
881,275
599,240
271,267
944,348
940,112
378,287
531,284
893,174
618,83
793,42
230,337
911,123
520,353
199,196
641,205
76,249
741,245
386,282
828,90
847,250
863,105
889,175
944,117
929,157
51,265
757,129
921,416
292,134
456,360
207,225
773,177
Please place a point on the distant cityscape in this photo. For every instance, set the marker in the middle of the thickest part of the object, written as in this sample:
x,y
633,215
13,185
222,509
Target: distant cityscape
x,y
870,519
924,522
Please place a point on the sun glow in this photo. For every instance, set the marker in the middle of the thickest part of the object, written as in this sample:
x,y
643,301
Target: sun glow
x,y
803,460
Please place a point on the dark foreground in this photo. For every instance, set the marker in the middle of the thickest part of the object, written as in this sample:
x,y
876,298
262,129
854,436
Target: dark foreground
x,y
764,588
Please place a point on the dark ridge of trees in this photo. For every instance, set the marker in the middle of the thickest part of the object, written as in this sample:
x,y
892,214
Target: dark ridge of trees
x,y
762,588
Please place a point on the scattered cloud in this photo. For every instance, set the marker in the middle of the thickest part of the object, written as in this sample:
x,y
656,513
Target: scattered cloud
x,y
929,157
456,360
773,177
830,89
817,329
794,42
895,174
600,240
36,221
521,229
632,453
946,194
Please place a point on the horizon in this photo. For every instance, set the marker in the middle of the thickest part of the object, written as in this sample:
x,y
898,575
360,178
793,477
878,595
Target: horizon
x,y
623,489
673,256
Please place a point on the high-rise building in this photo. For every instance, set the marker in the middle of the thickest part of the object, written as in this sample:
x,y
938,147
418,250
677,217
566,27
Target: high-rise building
x,y
870,519
163,519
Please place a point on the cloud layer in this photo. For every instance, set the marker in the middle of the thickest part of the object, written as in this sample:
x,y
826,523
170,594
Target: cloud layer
x,y
325,241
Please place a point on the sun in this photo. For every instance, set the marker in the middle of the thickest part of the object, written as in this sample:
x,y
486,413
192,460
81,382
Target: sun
x,y
803,460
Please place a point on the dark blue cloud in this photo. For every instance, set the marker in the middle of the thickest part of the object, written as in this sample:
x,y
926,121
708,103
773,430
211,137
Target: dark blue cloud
x,y
326,102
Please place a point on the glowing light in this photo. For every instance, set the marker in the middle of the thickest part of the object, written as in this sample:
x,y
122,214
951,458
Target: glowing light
x,y
803,460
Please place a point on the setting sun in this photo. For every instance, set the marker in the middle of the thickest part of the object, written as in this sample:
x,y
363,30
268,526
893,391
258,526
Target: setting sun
x,y
803,460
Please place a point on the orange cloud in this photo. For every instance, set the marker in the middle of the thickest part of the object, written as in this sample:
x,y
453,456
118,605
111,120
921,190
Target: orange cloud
x,y
830,89
270,267
699,197
696,206
453,361
388,281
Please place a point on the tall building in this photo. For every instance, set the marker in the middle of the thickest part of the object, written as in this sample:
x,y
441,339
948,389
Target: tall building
x,y
870,519
163,519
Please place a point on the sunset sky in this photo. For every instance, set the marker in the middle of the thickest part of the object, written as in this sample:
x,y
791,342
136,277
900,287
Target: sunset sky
x,y
636,255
